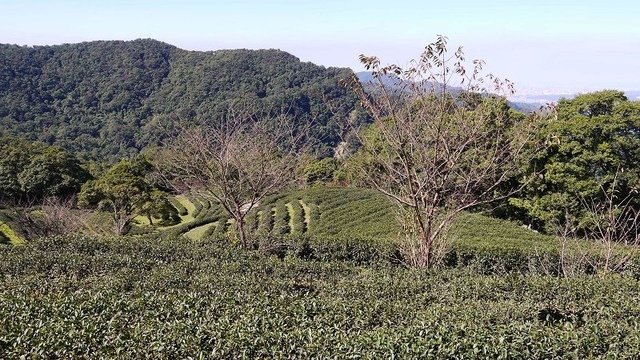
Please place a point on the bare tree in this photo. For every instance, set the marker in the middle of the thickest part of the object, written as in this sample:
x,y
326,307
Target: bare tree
x,y
616,228
573,258
53,216
59,216
236,160
435,149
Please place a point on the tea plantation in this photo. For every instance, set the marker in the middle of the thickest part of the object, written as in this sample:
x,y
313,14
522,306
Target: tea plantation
x,y
323,280
144,297
345,219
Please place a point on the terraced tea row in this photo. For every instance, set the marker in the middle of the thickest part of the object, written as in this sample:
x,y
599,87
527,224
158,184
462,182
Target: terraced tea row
x,y
328,212
88,297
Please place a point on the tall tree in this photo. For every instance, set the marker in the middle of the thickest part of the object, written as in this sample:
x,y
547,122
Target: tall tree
x,y
236,160
593,143
33,171
434,149
124,191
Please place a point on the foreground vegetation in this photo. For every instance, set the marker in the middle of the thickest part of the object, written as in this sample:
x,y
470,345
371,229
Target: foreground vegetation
x,y
73,297
243,238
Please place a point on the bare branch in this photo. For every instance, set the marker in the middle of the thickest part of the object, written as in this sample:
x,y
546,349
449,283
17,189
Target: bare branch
x,y
436,149
236,160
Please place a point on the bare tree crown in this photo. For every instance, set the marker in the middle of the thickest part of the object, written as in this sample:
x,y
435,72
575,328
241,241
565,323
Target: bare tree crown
x,y
236,160
438,149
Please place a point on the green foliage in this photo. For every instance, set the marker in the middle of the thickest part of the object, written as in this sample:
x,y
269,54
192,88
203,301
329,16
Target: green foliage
x,y
107,100
281,219
265,221
221,227
251,222
158,206
195,225
8,236
594,140
297,221
34,171
320,171
182,211
200,206
156,298
125,192
313,217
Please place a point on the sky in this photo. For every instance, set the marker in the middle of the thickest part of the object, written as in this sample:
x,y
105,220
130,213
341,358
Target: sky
x,y
560,46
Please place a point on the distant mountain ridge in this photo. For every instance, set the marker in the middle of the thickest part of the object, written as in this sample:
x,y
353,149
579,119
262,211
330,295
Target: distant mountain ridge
x,y
524,103
390,81
108,99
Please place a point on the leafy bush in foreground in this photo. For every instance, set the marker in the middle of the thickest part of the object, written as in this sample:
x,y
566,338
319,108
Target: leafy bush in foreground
x,y
80,297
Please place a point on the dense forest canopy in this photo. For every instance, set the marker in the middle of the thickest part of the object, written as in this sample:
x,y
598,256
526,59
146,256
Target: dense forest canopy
x,y
103,100
34,171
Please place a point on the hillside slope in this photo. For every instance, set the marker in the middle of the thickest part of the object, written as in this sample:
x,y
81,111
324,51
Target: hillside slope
x,y
107,99
345,213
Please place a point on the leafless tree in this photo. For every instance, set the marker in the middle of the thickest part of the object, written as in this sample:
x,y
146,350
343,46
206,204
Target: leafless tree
x,y
52,216
61,216
236,160
616,228
573,258
438,150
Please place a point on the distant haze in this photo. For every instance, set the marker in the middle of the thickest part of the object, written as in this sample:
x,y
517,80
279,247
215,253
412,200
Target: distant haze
x,y
545,98
544,46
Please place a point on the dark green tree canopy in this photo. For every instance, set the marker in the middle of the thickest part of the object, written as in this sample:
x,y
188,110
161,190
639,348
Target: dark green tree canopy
x,y
594,140
126,191
109,99
34,171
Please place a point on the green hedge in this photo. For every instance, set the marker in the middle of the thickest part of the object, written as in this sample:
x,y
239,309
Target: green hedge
x,y
251,222
221,227
298,226
4,240
494,259
136,298
182,211
265,223
281,219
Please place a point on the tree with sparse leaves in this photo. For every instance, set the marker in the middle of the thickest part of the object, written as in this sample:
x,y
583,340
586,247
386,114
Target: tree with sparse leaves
x,y
435,149
237,160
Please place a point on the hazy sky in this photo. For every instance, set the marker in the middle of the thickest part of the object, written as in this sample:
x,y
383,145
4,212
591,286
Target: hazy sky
x,y
555,45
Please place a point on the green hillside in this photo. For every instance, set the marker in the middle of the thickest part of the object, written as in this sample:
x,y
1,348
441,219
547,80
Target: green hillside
x,y
109,99
8,234
335,212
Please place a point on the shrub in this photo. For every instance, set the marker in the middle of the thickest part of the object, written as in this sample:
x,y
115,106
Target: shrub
x,y
281,219
298,225
143,297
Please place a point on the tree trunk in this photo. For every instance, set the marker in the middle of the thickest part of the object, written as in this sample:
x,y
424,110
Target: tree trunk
x,y
122,226
240,230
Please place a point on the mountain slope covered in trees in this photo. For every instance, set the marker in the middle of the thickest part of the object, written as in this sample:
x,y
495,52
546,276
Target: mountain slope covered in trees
x,y
108,99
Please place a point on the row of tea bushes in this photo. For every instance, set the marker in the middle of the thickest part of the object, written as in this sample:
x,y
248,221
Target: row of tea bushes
x,y
129,298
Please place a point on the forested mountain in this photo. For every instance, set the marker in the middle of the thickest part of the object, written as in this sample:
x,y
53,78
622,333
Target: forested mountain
x,y
109,99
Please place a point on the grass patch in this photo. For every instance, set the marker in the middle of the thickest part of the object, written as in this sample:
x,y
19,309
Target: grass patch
x,y
199,232
8,235
188,206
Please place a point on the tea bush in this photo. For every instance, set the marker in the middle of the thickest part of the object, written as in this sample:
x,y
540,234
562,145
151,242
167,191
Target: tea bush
x,y
298,225
129,298
281,219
